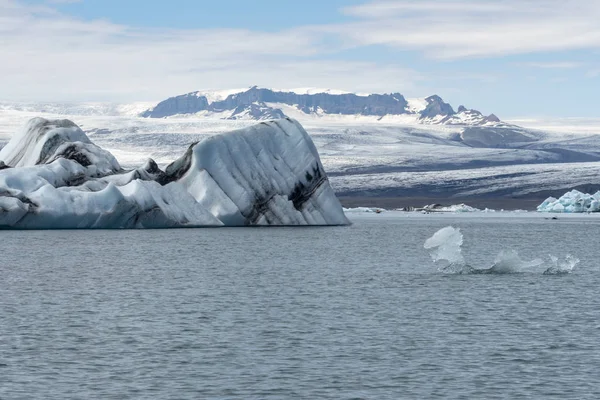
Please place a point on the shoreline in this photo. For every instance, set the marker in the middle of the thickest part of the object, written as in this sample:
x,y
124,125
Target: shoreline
x,y
391,203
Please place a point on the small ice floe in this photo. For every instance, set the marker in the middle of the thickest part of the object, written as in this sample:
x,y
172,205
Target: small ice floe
x,y
445,249
455,208
375,210
561,267
452,208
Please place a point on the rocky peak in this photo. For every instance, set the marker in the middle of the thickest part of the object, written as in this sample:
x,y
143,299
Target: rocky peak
x,y
258,112
436,107
190,103
492,118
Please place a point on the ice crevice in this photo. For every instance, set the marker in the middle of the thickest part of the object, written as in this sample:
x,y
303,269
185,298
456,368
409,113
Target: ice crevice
x,y
53,176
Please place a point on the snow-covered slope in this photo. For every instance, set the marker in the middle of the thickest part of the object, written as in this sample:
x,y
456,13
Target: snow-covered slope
x,y
391,156
53,176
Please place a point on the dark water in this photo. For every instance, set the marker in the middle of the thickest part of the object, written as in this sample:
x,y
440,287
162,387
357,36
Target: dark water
x,y
328,313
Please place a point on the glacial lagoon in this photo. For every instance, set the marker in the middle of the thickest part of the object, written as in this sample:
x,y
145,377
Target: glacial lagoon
x,y
307,312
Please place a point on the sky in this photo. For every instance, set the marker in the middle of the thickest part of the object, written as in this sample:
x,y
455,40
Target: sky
x,y
514,58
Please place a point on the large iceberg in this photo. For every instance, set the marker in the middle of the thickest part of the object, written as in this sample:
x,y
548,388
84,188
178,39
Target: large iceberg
x,y
572,202
53,177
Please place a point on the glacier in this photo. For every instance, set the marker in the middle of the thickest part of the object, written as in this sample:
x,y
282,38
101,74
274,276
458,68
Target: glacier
x,y
572,202
52,176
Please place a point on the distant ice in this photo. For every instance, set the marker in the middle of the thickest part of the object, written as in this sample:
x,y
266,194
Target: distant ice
x,y
572,202
375,210
455,208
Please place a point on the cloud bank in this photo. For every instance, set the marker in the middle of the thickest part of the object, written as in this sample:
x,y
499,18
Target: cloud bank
x,y
48,55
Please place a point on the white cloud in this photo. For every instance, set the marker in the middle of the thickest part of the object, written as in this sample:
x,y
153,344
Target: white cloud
x,y
55,57
552,64
387,9
593,73
47,55
482,28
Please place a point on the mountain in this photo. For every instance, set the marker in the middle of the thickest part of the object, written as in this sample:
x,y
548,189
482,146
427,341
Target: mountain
x,y
263,104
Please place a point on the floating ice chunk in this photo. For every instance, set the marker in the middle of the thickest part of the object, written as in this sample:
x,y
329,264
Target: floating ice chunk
x,y
445,246
572,202
560,267
458,208
509,262
452,208
375,210
267,174
445,249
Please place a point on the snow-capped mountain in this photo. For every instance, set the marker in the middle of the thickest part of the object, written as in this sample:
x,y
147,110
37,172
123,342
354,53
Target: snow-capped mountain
x,y
262,104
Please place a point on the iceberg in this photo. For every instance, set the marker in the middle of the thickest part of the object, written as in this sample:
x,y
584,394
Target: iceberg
x,y
53,177
572,202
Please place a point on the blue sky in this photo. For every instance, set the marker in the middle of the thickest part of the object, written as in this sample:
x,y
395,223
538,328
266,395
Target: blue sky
x,y
511,57
269,15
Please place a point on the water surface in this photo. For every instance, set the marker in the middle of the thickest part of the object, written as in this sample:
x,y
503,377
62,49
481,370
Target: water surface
x,y
279,313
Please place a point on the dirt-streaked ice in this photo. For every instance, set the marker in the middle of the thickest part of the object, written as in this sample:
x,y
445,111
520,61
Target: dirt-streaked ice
x,y
53,176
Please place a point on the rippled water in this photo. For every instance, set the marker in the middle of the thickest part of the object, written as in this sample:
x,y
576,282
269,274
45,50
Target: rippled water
x,y
354,312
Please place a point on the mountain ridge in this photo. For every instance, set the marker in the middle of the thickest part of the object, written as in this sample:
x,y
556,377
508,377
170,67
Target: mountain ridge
x,y
262,104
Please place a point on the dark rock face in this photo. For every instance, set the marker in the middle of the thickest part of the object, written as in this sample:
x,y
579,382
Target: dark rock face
x,y
258,111
435,107
186,104
492,118
177,168
257,104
